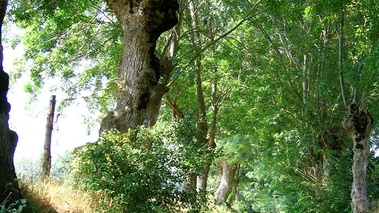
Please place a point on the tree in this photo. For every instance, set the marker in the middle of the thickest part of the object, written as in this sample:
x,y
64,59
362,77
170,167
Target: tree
x,y
312,96
77,42
9,190
46,164
297,104
201,125
358,120
140,81
268,97
139,87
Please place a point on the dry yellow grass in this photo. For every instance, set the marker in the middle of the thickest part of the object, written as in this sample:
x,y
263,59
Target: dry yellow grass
x,y
49,197
52,197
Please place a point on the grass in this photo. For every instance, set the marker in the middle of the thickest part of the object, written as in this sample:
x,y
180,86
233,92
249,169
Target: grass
x,y
50,197
55,196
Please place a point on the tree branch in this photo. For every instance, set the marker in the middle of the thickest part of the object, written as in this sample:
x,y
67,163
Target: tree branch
x,y
247,17
340,57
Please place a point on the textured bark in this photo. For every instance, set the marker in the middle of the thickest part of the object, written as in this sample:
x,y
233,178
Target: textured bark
x,y
358,121
227,178
9,190
46,164
140,87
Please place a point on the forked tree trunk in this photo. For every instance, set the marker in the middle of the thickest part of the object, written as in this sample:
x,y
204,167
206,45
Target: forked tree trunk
x,y
139,89
227,176
46,164
9,190
358,121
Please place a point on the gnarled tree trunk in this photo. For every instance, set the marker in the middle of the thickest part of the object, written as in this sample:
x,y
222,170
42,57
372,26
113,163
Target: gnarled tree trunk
x,y
139,86
358,121
9,190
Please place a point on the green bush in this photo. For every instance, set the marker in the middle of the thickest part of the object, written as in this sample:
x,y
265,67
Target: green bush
x,y
140,171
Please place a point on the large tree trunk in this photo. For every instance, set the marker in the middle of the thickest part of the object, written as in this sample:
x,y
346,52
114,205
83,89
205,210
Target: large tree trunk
x,y
9,190
139,89
358,121
227,176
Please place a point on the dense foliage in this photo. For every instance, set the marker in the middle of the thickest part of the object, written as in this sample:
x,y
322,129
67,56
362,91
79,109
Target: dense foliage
x,y
142,170
264,77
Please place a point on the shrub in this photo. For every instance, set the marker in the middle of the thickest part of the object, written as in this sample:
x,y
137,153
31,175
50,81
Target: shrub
x,y
139,171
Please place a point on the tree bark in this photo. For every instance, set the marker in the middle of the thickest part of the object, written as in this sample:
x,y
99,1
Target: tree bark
x,y
140,87
46,165
358,121
227,178
9,190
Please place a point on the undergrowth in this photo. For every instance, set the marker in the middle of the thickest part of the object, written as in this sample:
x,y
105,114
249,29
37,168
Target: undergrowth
x,y
140,171
50,197
54,195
